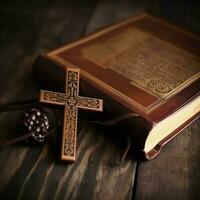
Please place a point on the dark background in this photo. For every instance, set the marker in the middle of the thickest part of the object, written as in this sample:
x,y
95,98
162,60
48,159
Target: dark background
x,y
28,28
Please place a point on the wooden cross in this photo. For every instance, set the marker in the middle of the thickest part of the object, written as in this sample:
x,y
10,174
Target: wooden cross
x,y
71,102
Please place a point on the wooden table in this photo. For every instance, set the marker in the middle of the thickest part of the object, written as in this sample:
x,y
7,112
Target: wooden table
x,y
28,29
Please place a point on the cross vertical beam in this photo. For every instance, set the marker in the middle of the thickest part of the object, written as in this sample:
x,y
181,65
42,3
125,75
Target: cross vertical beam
x,y
71,102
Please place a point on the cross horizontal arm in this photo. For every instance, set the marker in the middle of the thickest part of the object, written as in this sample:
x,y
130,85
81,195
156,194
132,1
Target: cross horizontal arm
x,y
90,103
52,97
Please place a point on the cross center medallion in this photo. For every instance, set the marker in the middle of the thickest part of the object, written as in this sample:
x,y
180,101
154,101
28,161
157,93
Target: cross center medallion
x,y
71,101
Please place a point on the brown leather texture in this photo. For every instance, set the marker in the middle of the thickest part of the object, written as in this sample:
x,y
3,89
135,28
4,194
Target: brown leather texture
x,y
130,95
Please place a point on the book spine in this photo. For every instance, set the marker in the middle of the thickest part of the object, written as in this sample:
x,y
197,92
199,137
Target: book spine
x,y
119,119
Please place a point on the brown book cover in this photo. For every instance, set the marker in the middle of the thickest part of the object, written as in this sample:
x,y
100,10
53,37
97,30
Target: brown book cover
x,y
141,65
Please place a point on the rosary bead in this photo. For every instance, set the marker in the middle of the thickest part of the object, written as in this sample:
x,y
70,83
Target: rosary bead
x,y
37,122
38,113
33,117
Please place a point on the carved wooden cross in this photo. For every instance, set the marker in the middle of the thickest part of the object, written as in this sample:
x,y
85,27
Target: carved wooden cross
x,y
71,102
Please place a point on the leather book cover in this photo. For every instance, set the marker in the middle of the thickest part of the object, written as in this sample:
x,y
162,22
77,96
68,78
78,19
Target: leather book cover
x,y
141,65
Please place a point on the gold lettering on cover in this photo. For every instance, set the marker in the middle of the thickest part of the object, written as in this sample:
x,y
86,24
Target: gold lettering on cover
x,y
71,102
146,61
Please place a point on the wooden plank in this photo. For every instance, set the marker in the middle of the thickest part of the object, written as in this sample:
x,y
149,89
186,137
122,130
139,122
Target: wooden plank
x,y
36,173
174,174
44,177
25,32
109,12
185,13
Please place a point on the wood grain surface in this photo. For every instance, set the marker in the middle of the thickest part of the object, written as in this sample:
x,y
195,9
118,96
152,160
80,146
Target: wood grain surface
x,y
30,28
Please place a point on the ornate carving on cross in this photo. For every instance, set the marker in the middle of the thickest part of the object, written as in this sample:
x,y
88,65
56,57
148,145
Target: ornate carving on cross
x,y
71,102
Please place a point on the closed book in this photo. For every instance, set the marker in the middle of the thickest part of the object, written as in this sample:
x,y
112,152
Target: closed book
x,y
145,69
